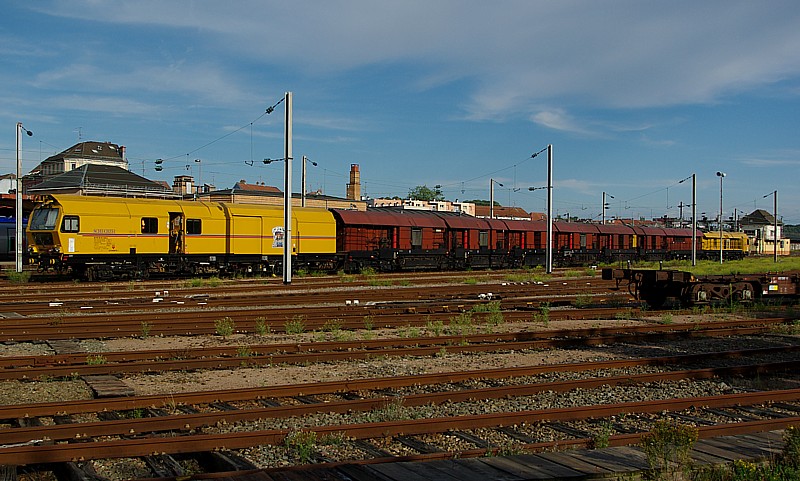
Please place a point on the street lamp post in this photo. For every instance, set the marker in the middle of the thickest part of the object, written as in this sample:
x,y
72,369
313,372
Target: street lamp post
x,y
19,231
491,196
199,186
721,176
303,172
774,195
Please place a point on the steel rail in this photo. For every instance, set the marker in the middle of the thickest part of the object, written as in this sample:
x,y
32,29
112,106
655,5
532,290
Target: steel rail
x,y
434,347
126,287
108,303
189,422
171,444
355,385
704,432
324,346
203,321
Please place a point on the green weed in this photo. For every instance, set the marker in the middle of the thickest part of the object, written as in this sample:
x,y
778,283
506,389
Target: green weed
x,y
95,360
668,445
225,326
261,327
303,443
15,277
295,325
144,329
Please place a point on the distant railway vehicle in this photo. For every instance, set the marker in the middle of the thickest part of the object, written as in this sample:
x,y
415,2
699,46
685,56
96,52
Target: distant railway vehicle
x,y
104,238
735,245
8,239
656,286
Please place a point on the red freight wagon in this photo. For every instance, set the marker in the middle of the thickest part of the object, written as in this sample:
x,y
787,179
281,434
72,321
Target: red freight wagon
x,y
391,239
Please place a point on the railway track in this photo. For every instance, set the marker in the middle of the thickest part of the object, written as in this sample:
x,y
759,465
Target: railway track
x,y
107,363
207,421
423,416
61,303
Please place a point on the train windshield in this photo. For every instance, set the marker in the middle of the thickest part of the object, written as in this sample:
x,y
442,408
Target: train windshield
x,y
44,219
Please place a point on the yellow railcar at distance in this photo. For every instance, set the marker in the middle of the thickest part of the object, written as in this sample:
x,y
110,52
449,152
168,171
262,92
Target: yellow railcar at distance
x,y
735,245
104,238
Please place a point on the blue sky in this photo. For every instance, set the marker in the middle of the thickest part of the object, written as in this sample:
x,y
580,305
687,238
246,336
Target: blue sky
x,y
633,95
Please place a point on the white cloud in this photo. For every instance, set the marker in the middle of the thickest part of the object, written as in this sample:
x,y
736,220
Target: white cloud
x,y
105,104
616,54
783,158
558,119
203,81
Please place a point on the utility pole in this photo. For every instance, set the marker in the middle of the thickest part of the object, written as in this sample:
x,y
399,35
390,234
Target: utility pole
x,y
287,192
549,250
680,208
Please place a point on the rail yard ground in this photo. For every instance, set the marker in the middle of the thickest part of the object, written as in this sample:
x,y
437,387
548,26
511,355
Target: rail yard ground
x,y
368,368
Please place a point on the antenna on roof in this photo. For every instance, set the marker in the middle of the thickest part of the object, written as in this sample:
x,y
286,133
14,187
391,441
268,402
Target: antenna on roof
x,y
79,129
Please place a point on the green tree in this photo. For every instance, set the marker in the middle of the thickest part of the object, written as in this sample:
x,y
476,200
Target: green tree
x,y
483,202
423,192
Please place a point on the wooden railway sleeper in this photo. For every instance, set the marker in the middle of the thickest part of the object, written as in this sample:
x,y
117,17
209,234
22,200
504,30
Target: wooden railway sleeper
x,y
417,445
471,438
516,435
787,406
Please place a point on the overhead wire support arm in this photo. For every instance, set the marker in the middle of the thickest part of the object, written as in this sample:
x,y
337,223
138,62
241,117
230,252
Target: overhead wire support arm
x,y
272,108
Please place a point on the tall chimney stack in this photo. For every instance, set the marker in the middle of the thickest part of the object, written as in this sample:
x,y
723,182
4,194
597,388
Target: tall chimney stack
x,y
354,186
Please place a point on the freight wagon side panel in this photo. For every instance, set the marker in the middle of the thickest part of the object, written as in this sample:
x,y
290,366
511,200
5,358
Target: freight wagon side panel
x,y
315,231
246,234
255,229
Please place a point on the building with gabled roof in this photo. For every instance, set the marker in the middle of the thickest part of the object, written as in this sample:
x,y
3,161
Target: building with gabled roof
x,y
244,193
760,227
242,185
83,153
98,179
500,212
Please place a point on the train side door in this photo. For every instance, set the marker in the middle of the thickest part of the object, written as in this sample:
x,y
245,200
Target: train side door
x,y
176,233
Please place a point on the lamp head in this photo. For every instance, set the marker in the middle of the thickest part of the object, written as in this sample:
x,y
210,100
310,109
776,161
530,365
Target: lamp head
x,y
721,174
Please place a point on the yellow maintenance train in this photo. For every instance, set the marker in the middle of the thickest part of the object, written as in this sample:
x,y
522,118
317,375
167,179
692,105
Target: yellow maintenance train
x,y
109,237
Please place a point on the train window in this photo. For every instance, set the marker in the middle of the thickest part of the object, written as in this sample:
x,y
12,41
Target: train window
x,y
193,226
44,219
483,239
71,223
416,237
149,225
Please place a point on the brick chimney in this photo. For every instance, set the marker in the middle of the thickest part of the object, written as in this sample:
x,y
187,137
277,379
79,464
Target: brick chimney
x,y
354,186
